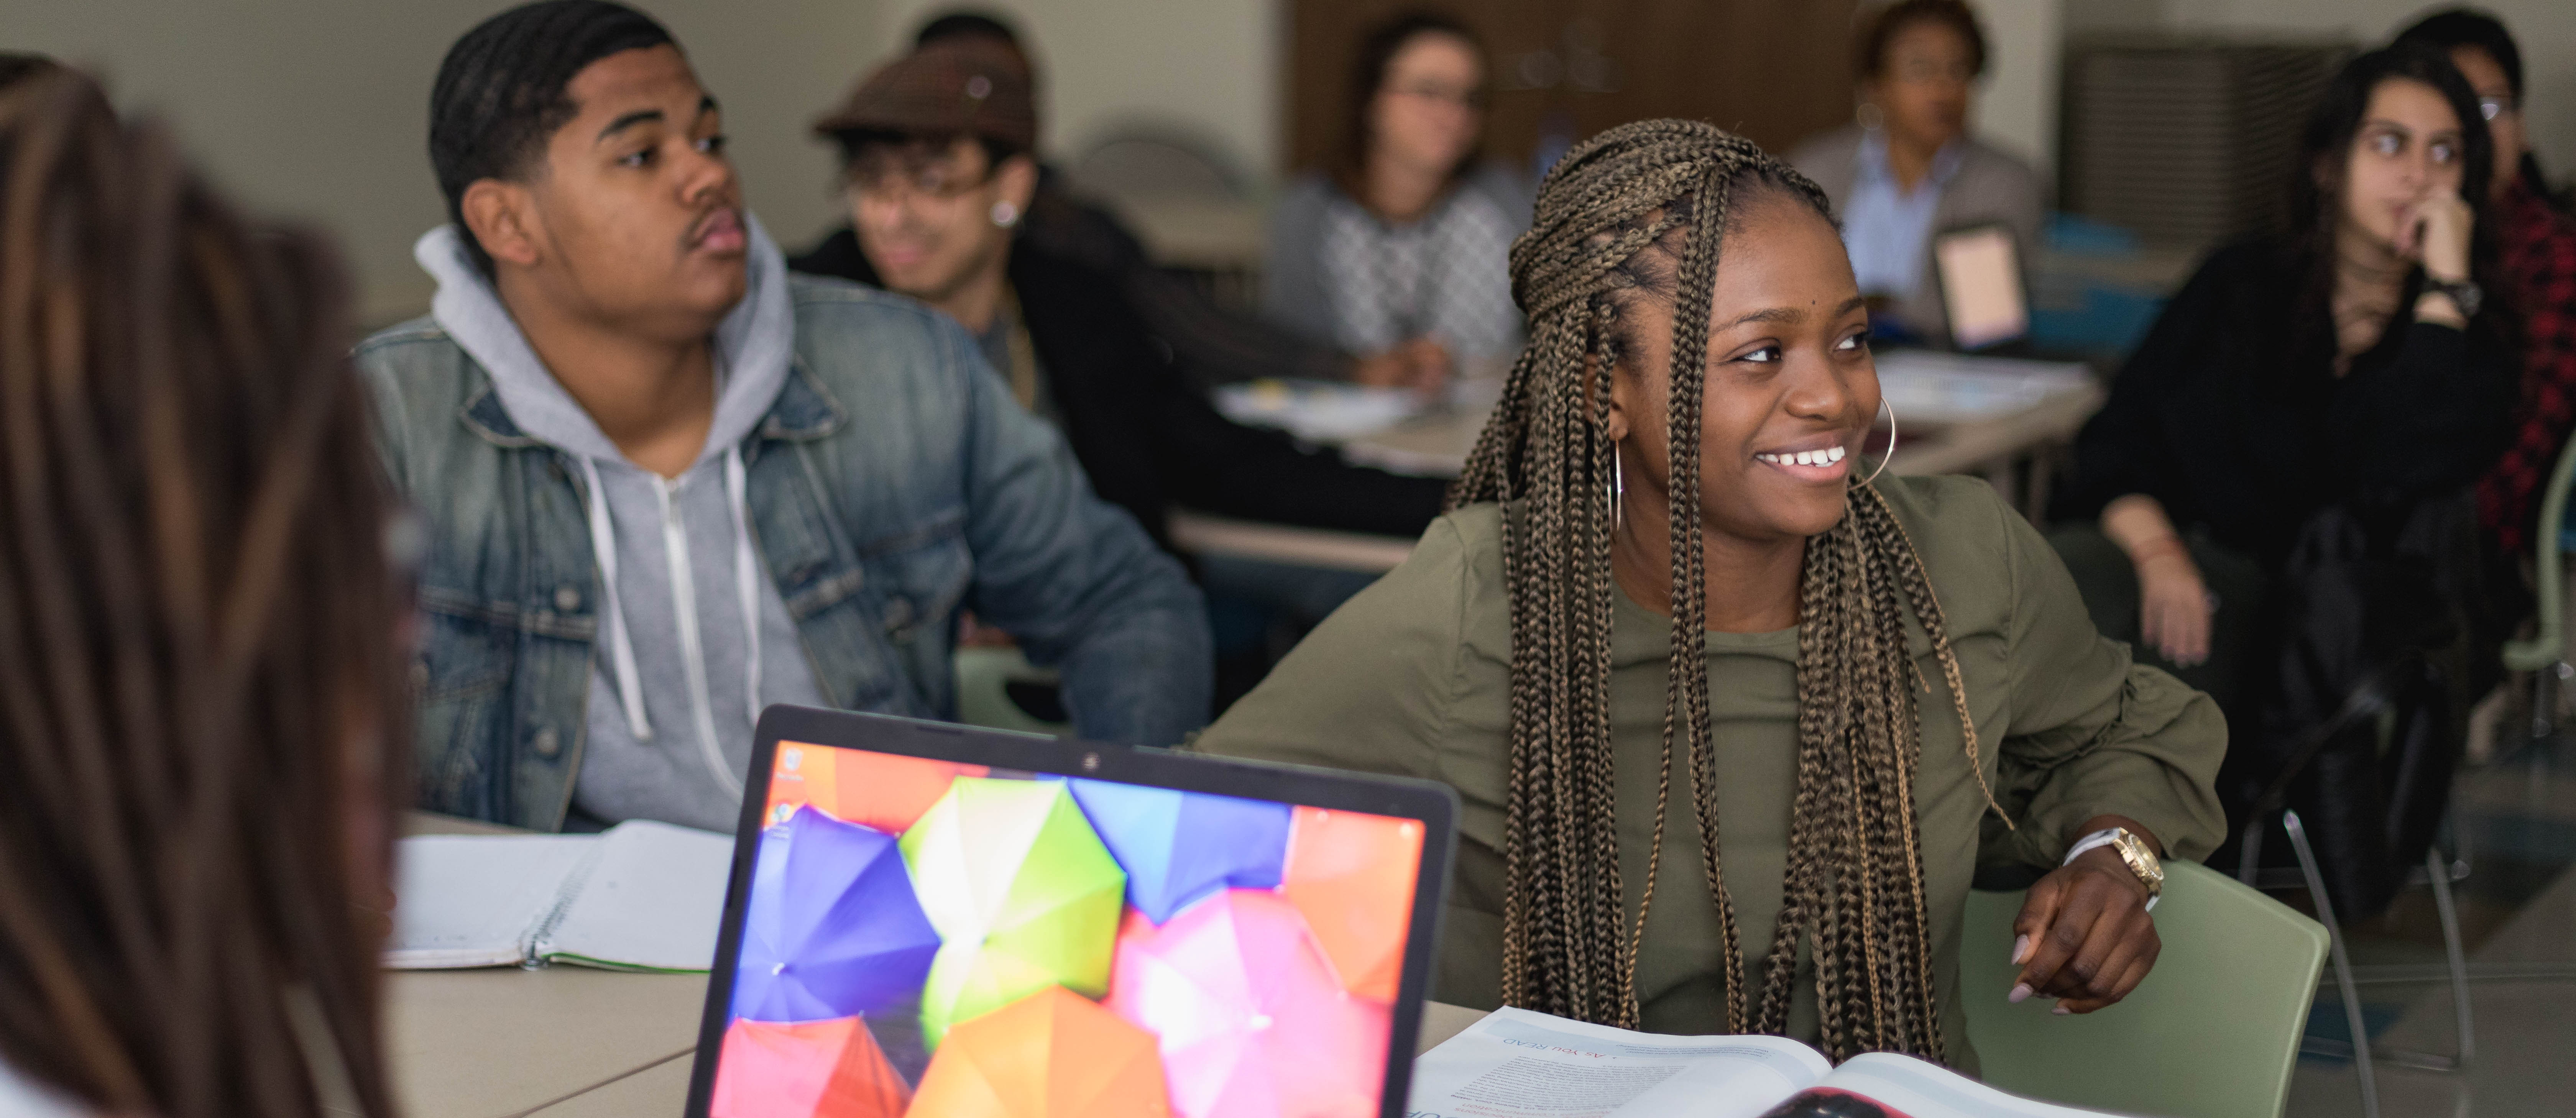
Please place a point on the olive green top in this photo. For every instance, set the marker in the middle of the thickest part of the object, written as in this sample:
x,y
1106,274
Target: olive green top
x,y
1412,677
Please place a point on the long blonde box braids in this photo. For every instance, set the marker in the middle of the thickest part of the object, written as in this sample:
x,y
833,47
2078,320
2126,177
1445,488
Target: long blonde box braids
x,y
1853,889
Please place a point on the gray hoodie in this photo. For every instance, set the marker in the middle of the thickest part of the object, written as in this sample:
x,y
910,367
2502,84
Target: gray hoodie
x,y
679,678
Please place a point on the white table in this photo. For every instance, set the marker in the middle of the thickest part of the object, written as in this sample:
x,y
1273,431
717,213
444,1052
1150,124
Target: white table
x,y
2009,449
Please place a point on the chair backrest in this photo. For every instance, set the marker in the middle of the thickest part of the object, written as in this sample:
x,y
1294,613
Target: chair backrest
x,y
984,679
2213,1032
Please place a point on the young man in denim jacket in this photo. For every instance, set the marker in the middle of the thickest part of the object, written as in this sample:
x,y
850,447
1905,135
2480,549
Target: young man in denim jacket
x,y
667,484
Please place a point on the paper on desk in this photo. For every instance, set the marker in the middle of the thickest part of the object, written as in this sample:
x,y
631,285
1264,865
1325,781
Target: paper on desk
x,y
1520,1064
641,896
1317,411
1928,388
653,902
470,900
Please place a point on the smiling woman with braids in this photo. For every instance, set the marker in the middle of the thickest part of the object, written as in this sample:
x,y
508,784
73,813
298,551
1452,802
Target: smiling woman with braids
x,y
1767,820
200,679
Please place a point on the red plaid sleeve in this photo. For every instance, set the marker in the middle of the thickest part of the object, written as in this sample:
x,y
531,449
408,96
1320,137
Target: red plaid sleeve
x,y
2539,261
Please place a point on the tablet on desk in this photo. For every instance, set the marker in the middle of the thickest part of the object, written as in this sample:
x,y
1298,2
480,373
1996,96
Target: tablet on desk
x,y
1979,270
928,920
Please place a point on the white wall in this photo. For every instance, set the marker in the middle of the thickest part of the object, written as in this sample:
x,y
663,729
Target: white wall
x,y
2016,109
317,110
1207,67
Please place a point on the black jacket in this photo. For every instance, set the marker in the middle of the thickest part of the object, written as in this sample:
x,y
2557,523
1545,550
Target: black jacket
x,y
1147,440
2230,415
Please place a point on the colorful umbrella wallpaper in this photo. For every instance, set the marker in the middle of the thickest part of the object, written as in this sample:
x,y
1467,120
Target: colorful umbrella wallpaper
x,y
1179,847
1250,1017
944,941
833,929
1052,1054
1022,891
820,1069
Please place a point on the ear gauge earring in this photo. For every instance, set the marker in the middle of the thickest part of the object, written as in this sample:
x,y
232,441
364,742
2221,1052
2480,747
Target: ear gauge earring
x,y
1869,116
1005,214
1890,409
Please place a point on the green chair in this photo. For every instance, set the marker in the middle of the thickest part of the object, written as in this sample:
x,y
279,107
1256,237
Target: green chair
x,y
2545,654
2213,1032
984,679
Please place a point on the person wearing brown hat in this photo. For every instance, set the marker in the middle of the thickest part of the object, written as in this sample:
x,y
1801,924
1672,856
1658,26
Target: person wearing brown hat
x,y
1211,342
939,180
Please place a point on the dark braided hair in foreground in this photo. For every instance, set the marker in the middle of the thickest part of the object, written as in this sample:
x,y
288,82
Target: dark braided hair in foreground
x,y
200,687
1641,211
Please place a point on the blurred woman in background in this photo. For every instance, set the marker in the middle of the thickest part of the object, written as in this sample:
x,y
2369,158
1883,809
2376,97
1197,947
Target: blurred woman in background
x,y
1404,243
2274,504
2353,359
202,711
1908,171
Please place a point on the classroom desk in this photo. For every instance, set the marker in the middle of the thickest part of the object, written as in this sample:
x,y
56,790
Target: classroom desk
x,y
572,1042
2008,450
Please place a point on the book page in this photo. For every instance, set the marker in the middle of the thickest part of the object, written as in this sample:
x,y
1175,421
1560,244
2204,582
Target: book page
x,y
653,902
474,900
1520,1064
1880,1085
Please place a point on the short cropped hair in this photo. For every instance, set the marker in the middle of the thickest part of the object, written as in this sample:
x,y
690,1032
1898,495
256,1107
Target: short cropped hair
x,y
2453,28
1870,56
504,90
966,24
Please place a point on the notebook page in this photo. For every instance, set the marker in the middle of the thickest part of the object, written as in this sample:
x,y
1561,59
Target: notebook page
x,y
1520,1064
651,903
1921,1090
474,900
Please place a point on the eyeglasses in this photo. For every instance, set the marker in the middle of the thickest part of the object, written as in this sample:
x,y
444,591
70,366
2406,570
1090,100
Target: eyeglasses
x,y
2493,107
930,176
1447,94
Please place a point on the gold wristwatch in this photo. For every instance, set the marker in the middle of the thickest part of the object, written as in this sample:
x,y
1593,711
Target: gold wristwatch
x,y
2133,850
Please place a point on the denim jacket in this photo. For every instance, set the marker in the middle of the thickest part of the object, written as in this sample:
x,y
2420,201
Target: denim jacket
x,y
892,485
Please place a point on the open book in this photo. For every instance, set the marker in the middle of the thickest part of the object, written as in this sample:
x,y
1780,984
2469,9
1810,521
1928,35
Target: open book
x,y
1520,1064
641,896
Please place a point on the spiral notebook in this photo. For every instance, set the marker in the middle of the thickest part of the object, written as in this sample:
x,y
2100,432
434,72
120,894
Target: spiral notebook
x,y
641,896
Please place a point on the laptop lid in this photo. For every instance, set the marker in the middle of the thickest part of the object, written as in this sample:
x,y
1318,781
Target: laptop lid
x,y
927,919
1979,270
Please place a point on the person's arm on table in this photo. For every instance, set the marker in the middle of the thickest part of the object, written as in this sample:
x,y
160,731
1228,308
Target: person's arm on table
x,y
2093,741
1075,580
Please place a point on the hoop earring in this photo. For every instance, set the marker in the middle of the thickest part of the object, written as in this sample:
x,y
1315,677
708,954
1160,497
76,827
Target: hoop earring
x,y
1005,214
1890,409
1870,117
1618,488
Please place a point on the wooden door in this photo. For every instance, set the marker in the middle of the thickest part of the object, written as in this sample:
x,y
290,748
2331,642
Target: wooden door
x,y
1777,71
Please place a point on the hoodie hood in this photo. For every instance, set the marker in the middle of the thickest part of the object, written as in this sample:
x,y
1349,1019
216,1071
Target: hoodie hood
x,y
754,345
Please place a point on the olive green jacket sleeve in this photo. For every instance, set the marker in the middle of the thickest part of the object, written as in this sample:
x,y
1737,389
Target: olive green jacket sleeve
x,y
2090,732
1371,688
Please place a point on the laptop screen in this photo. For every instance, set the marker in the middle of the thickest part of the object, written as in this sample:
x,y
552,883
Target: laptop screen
x,y
928,937
1981,287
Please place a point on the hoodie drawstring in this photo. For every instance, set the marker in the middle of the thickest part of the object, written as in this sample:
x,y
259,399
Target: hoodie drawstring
x,y
621,650
621,646
746,576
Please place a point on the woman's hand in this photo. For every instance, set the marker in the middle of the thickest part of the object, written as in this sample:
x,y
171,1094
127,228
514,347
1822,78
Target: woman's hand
x,y
1422,365
2084,936
2174,609
2436,235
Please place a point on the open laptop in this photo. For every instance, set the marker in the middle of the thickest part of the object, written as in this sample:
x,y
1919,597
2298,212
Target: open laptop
x,y
1979,271
934,920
